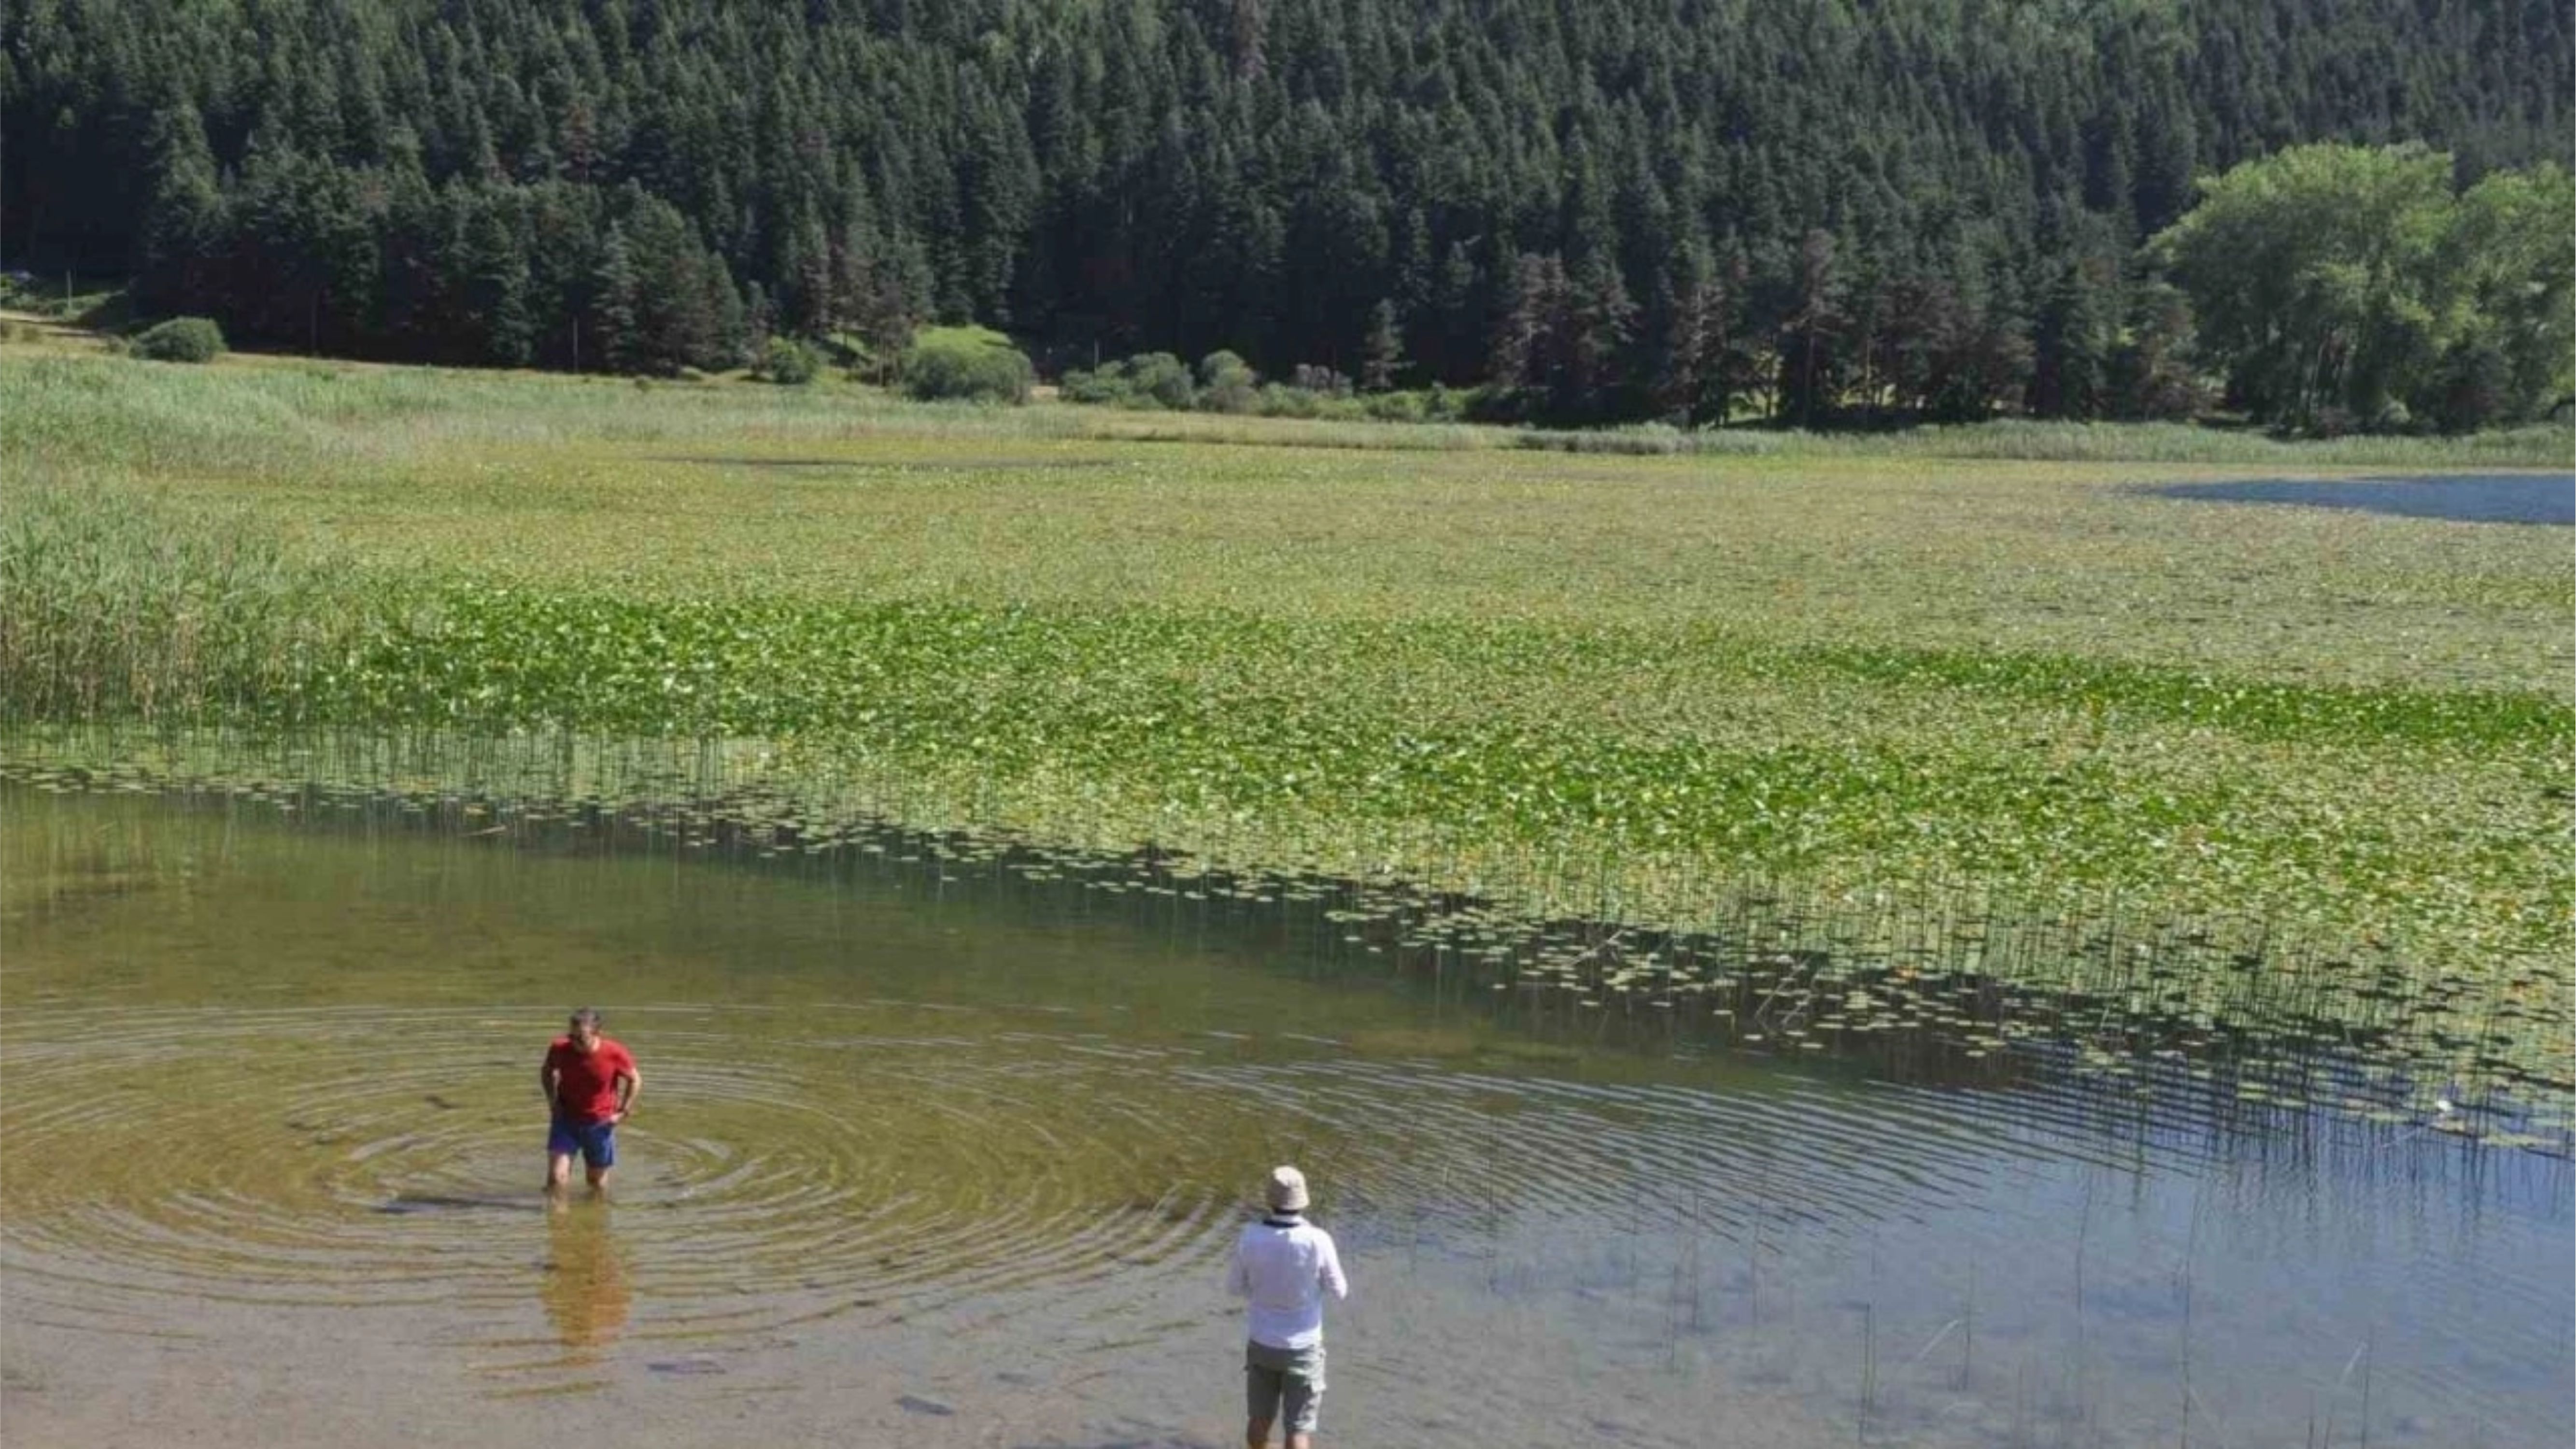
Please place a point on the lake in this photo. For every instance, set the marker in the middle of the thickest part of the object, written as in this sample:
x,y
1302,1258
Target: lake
x,y
2542,498
947,1148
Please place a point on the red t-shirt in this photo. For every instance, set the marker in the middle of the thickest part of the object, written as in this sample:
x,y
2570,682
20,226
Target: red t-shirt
x,y
586,1081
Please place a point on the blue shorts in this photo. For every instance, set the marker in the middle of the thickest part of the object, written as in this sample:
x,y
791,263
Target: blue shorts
x,y
595,1141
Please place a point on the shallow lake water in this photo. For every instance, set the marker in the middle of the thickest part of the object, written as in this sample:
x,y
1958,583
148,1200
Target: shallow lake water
x,y
928,1155
2541,498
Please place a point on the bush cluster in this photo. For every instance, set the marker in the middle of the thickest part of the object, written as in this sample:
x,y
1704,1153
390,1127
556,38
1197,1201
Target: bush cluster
x,y
1225,383
181,339
964,364
789,362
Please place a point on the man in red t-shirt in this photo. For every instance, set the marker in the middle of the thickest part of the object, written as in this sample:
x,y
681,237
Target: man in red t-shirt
x,y
590,1084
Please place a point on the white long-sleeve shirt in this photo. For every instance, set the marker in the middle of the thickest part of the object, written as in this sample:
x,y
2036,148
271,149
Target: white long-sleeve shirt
x,y
1286,1271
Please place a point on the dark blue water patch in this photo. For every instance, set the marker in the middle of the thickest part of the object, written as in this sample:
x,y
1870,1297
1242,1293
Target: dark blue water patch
x,y
2546,498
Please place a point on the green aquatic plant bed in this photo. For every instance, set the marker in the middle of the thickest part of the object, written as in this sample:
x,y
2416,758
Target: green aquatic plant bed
x,y
1620,688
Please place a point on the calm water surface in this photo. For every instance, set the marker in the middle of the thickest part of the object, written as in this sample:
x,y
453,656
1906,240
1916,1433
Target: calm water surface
x,y
927,1157
2544,498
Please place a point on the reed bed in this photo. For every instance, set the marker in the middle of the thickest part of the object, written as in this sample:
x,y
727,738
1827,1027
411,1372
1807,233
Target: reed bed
x,y
112,607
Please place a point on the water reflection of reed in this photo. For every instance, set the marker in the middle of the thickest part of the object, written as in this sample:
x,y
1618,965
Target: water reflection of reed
x,y
1930,982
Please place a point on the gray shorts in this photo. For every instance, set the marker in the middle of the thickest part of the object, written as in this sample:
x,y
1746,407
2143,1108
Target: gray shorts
x,y
1283,1384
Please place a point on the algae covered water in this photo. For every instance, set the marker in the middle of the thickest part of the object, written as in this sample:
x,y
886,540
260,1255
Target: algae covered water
x,y
936,1152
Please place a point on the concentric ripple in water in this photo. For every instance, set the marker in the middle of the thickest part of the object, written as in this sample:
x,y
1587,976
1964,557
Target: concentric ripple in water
x,y
774,1172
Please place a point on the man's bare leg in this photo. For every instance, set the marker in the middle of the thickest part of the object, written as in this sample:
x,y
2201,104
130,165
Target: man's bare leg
x,y
1256,1433
599,1180
1301,1441
558,1173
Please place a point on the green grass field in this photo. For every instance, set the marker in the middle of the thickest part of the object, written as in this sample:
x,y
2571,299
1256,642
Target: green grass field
x,y
1575,682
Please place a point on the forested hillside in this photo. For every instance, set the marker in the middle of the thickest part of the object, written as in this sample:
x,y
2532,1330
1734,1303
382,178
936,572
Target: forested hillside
x,y
1616,208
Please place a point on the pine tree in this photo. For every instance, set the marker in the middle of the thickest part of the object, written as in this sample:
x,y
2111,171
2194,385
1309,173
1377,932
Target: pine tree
x,y
1246,21
759,319
1457,344
1691,304
620,328
1807,366
411,285
494,269
1383,352
730,338
1600,318
1520,328
2072,340
813,304
185,221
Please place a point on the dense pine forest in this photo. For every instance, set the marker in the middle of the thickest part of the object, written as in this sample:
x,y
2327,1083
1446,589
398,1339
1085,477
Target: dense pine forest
x,y
1816,211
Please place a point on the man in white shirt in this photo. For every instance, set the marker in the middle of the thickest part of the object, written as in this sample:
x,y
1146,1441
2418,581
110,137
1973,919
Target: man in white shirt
x,y
1285,1265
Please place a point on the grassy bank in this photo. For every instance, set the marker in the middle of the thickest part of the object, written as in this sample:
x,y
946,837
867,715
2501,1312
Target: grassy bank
x,y
1632,686
248,394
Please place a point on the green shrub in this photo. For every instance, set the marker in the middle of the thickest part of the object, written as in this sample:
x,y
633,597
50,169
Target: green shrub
x,y
1395,407
1226,383
182,339
1279,400
964,364
1161,380
1106,387
789,362
1146,380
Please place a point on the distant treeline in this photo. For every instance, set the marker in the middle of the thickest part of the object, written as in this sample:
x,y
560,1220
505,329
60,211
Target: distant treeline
x,y
1816,210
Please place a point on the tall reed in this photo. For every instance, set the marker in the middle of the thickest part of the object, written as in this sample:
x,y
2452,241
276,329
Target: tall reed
x,y
113,604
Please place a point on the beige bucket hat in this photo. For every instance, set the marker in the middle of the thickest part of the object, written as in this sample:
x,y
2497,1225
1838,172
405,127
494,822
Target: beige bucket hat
x,y
1287,1190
